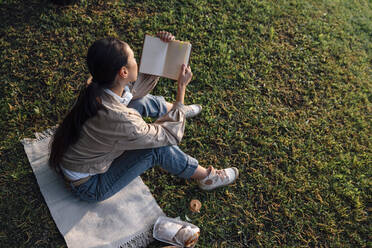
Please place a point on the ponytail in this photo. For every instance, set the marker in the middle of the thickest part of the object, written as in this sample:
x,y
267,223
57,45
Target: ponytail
x,y
105,58
68,132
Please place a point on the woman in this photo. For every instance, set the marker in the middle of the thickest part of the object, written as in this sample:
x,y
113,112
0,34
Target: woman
x,y
103,143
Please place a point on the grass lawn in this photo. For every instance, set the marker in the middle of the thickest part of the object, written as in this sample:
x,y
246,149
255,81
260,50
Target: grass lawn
x,y
286,90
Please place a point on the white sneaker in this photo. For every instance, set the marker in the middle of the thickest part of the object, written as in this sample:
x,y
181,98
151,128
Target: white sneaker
x,y
218,178
192,110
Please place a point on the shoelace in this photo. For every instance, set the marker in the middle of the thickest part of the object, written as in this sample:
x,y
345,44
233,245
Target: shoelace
x,y
222,174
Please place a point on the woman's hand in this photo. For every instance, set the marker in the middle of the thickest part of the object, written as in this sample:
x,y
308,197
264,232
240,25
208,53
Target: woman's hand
x,y
185,76
165,36
183,80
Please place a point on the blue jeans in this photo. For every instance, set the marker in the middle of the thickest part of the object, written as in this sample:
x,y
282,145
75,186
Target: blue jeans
x,y
133,163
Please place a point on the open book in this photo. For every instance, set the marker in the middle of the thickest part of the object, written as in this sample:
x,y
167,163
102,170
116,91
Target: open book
x,y
164,58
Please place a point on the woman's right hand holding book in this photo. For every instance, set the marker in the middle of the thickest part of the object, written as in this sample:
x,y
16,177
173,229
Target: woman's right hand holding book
x,y
183,80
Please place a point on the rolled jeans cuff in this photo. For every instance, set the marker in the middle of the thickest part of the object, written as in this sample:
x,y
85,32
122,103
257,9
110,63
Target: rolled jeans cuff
x,y
190,168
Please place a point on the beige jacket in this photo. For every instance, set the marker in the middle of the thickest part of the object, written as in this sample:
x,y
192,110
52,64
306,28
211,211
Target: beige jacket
x,y
117,128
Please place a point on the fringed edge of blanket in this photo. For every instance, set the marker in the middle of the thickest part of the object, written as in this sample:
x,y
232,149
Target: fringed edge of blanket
x,y
139,240
40,136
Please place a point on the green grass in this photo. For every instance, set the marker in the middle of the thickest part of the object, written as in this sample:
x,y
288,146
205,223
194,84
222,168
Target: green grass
x,y
286,90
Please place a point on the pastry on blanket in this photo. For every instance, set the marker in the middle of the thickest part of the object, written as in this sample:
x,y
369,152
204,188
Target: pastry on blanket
x,y
187,236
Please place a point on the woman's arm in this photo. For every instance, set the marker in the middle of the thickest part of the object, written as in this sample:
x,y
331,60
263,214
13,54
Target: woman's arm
x,y
167,130
183,80
134,133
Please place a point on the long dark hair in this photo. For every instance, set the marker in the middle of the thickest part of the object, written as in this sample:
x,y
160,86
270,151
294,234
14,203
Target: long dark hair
x,y
105,58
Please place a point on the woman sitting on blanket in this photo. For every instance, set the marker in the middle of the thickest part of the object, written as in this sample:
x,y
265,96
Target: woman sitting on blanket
x,y
103,143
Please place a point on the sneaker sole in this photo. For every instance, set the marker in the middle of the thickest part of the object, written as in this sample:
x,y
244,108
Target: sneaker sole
x,y
236,173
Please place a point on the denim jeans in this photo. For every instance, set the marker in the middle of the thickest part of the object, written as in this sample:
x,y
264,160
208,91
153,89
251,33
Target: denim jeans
x,y
133,163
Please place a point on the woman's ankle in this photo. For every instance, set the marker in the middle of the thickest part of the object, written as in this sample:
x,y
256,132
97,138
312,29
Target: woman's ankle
x,y
200,173
169,106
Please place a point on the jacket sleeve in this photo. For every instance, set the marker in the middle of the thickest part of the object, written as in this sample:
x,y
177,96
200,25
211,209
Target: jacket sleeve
x,y
143,85
167,130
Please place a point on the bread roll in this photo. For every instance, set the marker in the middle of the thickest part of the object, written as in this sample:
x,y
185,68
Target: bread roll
x,y
187,236
167,230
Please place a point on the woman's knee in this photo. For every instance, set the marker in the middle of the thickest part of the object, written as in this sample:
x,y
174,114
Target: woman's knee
x,y
138,104
150,106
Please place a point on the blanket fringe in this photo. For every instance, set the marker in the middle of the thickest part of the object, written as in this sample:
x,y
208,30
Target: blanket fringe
x,y
40,136
140,240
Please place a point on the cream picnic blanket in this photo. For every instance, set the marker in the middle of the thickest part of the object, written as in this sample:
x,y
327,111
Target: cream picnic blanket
x,y
124,220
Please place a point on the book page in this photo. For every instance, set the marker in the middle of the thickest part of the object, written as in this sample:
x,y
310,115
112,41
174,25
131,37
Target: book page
x,y
153,56
178,53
